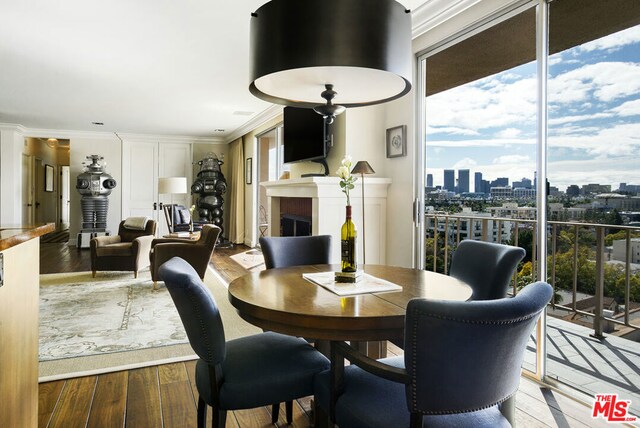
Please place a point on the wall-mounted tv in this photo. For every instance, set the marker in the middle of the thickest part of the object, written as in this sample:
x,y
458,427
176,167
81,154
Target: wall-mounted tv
x,y
306,135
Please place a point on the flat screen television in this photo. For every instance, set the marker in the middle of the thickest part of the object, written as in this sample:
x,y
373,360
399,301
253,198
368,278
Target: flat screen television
x,y
306,137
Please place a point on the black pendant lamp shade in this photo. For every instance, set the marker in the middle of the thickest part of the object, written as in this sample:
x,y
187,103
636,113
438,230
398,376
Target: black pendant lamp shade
x,y
356,50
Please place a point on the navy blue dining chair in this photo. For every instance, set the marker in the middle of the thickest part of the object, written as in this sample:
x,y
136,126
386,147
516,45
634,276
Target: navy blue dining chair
x,y
285,251
243,373
461,367
486,267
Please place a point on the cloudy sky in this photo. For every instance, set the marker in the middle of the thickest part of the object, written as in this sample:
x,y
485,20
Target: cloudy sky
x,y
489,125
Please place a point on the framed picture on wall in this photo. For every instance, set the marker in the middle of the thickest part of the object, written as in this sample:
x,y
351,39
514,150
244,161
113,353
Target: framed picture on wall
x,y
397,141
248,171
48,178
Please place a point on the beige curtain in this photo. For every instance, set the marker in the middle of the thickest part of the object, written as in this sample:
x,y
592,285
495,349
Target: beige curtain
x,y
236,194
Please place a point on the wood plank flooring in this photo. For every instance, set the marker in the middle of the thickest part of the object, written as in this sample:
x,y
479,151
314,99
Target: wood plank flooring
x,y
166,395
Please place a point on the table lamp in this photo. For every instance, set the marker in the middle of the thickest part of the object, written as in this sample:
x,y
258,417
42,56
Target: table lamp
x,y
362,168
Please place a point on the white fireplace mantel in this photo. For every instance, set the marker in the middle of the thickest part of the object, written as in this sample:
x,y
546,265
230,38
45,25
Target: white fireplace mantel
x,y
328,210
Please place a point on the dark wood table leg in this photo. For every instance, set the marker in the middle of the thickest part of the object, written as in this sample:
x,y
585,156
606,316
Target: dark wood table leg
x,y
372,349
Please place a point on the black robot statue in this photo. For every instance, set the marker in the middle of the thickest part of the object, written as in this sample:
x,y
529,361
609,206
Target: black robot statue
x,y
210,185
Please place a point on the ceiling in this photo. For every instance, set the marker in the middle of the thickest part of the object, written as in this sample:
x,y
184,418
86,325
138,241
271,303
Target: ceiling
x,y
144,67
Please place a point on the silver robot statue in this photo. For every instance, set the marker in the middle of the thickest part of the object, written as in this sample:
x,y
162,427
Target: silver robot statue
x,y
210,185
95,185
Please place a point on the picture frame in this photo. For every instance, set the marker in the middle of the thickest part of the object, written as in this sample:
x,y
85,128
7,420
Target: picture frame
x,y
248,171
48,178
397,141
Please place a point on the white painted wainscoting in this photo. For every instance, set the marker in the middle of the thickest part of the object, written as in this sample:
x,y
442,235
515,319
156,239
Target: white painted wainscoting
x,y
328,210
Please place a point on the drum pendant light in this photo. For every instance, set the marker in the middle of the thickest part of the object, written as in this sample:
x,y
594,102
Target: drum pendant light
x,y
330,54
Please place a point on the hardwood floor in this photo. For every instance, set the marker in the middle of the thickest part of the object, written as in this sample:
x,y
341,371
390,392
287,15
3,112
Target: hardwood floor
x,y
166,395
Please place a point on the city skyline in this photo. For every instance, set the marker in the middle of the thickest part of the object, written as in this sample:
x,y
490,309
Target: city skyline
x,y
489,125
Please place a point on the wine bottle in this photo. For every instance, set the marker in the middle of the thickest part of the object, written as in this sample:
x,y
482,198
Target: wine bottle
x,y
348,244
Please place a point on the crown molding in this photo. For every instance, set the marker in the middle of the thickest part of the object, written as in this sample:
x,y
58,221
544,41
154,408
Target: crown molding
x,y
170,138
264,116
435,12
11,127
67,134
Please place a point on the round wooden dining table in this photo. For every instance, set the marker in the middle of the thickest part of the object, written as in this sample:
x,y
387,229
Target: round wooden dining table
x,y
281,300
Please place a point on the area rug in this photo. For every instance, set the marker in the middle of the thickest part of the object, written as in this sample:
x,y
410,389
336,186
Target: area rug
x,y
249,259
115,322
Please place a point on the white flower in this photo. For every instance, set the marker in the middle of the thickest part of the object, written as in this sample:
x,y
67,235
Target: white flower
x,y
343,172
346,161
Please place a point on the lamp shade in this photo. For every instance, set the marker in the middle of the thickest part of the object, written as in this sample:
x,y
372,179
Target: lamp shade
x,y
361,47
172,185
362,167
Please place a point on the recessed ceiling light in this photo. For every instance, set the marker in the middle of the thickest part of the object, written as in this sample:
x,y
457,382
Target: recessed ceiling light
x,y
97,123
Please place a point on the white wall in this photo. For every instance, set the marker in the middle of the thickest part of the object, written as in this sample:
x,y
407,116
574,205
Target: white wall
x,y
110,148
11,144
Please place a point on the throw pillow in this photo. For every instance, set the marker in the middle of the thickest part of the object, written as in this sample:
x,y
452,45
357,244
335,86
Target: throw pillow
x,y
185,216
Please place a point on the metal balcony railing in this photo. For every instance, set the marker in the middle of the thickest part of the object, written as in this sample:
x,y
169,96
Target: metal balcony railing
x,y
452,228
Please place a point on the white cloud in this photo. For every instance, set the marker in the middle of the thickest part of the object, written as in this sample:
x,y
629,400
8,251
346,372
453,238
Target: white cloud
x,y
486,143
630,108
613,41
618,140
475,107
578,118
509,133
606,81
511,159
452,130
465,163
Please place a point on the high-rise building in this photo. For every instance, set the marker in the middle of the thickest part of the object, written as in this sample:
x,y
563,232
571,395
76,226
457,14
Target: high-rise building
x,y
429,180
477,182
500,182
463,181
449,180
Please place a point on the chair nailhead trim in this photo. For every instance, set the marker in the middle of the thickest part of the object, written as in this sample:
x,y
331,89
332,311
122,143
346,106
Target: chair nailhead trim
x,y
414,334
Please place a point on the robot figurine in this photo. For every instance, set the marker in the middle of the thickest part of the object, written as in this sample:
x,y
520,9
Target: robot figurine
x,y
210,185
95,185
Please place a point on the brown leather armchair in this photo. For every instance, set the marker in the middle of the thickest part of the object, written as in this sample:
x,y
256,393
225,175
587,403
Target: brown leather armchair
x,y
126,251
196,253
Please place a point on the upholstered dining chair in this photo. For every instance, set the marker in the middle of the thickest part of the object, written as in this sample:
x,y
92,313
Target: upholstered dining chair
x,y
285,251
486,267
126,251
196,253
243,373
461,367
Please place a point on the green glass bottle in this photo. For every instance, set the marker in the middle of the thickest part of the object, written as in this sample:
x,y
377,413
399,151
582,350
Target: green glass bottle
x,y
348,244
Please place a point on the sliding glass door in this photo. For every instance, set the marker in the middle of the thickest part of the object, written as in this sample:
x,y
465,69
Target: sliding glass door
x,y
566,71
481,139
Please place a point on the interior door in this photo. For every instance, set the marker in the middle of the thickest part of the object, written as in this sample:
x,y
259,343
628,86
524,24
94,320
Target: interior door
x,y
27,189
139,179
38,169
64,196
142,164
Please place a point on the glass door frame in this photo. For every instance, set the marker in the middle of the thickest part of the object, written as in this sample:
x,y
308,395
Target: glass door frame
x,y
256,173
542,44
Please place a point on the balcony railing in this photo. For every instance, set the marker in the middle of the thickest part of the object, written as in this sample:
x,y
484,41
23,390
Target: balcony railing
x,y
452,228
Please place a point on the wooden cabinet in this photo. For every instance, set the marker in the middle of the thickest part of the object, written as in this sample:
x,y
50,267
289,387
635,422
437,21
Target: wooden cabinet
x,y
19,296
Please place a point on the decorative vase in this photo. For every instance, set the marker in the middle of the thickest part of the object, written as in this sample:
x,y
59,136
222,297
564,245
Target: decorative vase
x,y
348,243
